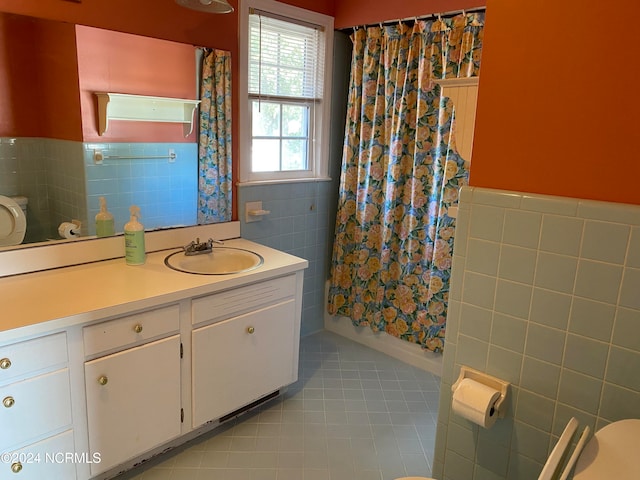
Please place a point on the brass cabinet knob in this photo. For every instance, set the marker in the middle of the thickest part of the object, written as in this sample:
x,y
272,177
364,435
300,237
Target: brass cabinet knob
x,y
250,330
16,467
8,402
137,328
103,380
5,363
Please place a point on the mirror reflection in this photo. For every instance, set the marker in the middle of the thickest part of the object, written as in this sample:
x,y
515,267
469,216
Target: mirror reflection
x,y
54,162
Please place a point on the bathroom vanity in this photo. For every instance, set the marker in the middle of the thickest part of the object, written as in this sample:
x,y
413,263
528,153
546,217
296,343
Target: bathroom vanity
x,y
104,365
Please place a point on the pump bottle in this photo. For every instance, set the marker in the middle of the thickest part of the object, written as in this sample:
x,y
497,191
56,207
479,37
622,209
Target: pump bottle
x,y
105,226
134,252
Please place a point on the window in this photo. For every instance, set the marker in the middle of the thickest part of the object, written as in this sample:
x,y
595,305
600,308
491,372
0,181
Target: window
x,y
284,92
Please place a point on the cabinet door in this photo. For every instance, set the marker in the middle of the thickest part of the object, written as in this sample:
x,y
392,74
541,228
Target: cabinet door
x,y
133,401
241,359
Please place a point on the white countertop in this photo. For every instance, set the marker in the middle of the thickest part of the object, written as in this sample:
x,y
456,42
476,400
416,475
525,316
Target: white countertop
x,y
72,295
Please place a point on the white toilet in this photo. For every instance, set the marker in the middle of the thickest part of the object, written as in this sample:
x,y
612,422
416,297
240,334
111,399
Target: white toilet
x,y
13,220
550,468
611,453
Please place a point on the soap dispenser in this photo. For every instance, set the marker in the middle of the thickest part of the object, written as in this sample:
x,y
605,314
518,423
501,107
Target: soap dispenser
x,y
105,226
134,252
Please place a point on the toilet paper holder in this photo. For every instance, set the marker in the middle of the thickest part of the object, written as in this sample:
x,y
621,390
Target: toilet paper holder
x,y
488,380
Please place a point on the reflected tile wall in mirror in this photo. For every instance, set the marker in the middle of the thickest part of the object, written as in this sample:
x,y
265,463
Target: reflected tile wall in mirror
x,y
62,183
50,174
165,190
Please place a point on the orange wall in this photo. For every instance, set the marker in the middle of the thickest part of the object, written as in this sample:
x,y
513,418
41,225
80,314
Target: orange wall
x,y
558,98
38,86
559,102
362,12
123,63
161,19
47,89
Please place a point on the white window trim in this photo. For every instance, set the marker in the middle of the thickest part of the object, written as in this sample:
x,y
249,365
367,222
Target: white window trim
x,y
320,170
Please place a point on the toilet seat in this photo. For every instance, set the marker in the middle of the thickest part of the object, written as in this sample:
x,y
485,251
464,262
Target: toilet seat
x,y
13,223
559,451
611,453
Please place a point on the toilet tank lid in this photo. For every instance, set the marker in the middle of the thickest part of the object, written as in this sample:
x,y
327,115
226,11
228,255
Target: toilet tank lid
x,y
20,200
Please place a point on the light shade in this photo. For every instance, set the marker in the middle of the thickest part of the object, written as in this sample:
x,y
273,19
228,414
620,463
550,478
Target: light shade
x,y
209,6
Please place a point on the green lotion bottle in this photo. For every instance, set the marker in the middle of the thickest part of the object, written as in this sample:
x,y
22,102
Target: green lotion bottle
x,y
105,226
134,252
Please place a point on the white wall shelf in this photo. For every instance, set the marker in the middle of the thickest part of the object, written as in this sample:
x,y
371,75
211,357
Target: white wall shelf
x,y
141,108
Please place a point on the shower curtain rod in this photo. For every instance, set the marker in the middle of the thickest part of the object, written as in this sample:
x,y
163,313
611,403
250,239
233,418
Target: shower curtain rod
x,y
450,13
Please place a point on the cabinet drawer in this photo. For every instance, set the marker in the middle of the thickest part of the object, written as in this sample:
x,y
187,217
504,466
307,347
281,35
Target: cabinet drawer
x,y
34,407
125,331
19,359
225,304
53,457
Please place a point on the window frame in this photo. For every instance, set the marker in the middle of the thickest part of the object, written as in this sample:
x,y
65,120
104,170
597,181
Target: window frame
x,y
318,148
308,104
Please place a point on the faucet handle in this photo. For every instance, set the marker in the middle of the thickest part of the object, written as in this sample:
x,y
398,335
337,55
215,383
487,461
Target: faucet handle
x,y
189,246
211,241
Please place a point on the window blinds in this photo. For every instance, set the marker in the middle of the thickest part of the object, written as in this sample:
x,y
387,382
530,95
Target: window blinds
x,y
286,59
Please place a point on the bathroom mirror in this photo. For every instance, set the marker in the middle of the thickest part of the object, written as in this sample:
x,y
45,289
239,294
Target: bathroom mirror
x,y
50,149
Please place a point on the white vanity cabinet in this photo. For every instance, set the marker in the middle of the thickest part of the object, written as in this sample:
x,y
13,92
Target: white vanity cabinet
x,y
35,415
116,364
133,395
247,349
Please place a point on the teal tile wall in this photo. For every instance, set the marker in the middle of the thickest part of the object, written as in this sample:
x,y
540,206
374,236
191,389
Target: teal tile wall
x,y
50,173
62,183
300,223
165,190
302,218
545,295
66,184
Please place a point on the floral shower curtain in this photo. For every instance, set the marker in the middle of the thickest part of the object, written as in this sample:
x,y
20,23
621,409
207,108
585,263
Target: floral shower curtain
x,y
214,145
391,261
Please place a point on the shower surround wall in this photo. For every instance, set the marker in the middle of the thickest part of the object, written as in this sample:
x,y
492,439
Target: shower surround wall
x,y
545,295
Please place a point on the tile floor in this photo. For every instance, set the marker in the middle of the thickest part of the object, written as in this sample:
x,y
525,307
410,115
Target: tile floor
x,y
354,414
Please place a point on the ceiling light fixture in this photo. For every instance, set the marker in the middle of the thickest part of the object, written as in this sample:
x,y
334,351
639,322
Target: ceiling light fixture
x,y
208,6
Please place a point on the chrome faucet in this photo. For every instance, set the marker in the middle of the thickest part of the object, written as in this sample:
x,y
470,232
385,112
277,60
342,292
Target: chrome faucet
x,y
197,248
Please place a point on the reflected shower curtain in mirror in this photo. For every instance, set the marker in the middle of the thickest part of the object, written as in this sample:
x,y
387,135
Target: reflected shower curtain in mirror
x,y
392,252
214,144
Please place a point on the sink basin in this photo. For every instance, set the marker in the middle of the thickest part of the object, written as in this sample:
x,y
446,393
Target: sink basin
x,y
221,261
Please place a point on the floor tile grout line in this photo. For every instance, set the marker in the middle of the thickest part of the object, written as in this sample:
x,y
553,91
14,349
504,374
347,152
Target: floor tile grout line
x,y
411,425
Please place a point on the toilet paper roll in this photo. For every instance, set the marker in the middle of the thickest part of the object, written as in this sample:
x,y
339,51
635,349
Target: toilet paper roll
x,y
475,402
68,230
